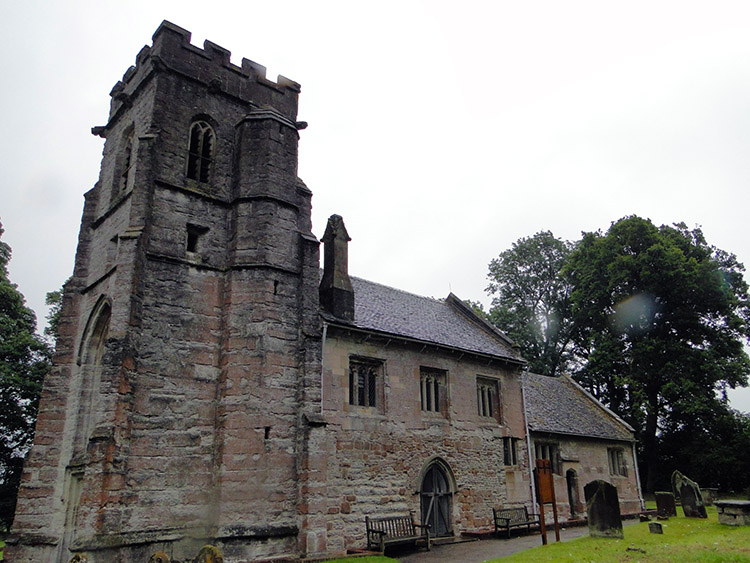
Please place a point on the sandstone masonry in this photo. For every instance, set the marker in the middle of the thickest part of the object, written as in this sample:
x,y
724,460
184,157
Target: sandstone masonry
x,y
212,385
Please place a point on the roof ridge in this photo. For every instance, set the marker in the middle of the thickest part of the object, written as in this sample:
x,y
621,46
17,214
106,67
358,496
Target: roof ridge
x,y
434,299
455,301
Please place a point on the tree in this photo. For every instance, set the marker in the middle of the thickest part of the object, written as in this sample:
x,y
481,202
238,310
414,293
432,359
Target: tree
x,y
24,361
54,299
714,449
531,300
661,320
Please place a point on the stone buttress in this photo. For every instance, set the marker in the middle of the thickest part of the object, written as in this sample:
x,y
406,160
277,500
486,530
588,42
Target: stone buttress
x,y
186,383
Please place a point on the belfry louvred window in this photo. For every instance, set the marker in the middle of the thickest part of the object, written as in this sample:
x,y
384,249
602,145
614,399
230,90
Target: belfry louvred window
x,y
200,151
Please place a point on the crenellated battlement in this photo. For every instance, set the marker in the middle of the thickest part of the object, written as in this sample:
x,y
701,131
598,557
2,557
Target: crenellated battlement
x,y
172,51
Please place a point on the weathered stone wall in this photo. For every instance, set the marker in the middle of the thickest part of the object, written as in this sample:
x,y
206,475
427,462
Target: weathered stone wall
x,y
381,453
589,459
187,419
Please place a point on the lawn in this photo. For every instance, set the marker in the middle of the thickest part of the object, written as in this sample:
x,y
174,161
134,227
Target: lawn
x,y
685,540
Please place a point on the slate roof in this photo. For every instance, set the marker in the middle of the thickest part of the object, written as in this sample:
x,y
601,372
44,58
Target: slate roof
x,y
445,322
560,406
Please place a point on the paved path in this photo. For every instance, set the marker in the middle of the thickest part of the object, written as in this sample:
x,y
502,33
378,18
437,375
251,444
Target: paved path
x,y
482,550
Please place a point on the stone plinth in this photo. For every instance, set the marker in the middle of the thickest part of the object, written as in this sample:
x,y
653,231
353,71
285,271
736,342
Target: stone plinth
x,y
733,512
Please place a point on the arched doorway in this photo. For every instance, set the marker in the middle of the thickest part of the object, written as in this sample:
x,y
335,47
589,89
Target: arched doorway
x,y
572,480
437,500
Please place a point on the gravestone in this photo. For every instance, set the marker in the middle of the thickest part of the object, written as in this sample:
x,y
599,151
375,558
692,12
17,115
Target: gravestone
x,y
677,478
710,495
603,510
690,496
655,528
665,506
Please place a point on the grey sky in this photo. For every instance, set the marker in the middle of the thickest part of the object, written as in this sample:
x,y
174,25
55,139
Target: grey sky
x,y
441,134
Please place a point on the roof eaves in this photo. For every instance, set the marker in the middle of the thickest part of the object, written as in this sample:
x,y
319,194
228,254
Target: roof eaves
x,y
333,321
582,435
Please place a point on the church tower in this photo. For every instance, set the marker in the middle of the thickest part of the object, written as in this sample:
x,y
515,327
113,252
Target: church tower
x,y
186,385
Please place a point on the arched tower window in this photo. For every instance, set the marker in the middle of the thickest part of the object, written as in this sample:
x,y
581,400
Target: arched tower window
x,y
125,162
200,151
90,359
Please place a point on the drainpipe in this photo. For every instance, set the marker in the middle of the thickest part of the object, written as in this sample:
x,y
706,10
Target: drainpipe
x,y
528,448
637,477
323,364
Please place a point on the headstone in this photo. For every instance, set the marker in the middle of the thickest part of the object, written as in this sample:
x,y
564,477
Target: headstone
x,y
690,496
665,506
710,495
655,528
603,510
677,478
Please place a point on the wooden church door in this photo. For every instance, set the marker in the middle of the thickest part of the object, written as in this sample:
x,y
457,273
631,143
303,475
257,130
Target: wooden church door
x,y
436,502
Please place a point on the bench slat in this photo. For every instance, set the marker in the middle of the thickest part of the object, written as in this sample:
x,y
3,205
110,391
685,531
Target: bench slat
x,y
394,530
508,518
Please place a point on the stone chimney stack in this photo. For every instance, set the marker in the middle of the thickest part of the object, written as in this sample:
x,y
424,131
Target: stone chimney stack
x,y
336,293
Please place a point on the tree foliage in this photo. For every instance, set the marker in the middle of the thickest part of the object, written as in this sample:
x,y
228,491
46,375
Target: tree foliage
x,y
531,300
653,322
24,361
661,321
54,300
714,448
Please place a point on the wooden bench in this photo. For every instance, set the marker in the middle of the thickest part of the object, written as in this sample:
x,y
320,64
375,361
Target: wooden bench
x,y
508,518
395,530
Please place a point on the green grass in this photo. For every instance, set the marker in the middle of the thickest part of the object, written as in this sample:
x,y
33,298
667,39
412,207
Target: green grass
x,y
685,540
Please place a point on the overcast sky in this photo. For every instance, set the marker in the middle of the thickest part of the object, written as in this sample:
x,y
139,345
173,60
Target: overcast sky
x,y
441,131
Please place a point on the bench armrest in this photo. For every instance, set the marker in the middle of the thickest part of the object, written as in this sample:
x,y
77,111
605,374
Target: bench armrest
x,y
422,526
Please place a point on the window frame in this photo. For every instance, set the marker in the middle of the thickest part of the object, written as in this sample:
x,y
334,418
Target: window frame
x,y
510,451
365,388
432,390
616,461
488,398
200,151
552,454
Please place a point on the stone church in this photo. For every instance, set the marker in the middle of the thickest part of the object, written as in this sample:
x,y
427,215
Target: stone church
x,y
212,385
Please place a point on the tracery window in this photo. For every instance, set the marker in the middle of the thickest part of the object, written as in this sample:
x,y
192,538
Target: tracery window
x,y
200,151
487,398
364,376
616,461
510,450
124,164
127,163
550,451
431,389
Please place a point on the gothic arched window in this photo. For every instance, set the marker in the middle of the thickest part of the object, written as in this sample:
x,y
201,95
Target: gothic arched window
x,y
90,359
200,151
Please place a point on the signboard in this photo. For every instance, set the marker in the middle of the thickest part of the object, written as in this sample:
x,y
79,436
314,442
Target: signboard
x,y
545,489
545,493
